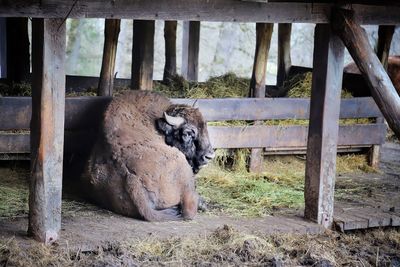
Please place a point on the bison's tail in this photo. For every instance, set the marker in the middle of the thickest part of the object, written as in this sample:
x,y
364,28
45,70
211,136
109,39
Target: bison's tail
x,y
144,205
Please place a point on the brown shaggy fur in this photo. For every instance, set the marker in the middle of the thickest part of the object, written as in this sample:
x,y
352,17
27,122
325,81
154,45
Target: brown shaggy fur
x,y
132,171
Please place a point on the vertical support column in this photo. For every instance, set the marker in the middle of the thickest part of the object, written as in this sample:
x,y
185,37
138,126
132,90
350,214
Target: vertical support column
x,y
142,55
190,50
3,48
284,60
111,33
170,50
324,126
385,35
47,128
257,83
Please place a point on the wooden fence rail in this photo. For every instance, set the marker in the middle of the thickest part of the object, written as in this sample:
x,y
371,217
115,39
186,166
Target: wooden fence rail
x,y
83,115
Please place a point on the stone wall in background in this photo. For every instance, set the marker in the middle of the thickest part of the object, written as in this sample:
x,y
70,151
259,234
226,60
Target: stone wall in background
x,y
224,47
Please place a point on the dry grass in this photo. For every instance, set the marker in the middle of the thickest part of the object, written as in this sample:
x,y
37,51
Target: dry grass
x,y
224,247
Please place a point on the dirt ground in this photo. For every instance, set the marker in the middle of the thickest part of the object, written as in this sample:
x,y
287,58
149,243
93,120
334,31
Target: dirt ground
x,y
94,237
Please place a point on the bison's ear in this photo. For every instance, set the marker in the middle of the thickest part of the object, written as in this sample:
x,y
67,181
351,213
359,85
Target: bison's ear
x,y
163,126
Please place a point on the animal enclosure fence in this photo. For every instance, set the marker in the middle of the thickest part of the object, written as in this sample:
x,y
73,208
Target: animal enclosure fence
x,y
83,116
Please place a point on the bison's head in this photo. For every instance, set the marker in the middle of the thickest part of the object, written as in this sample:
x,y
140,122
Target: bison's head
x,y
185,129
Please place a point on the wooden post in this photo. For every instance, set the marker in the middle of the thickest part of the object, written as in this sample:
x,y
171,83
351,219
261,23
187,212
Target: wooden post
x,y
382,89
142,55
190,50
385,35
284,60
323,130
47,128
106,81
170,50
257,84
18,62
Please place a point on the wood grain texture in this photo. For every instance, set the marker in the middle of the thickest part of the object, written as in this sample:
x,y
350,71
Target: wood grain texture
x,y
284,59
322,140
81,111
190,50
142,55
354,37
200,10
47,128
170,50
106,80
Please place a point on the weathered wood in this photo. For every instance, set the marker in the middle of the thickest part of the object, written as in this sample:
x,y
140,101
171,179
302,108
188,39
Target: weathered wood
x,y
385,35
257,83
170,50
142,55
47,128
324,125
269,137
382,89
375,151
190,50
201,10
284,60
290,136
106,80
18,61
222,109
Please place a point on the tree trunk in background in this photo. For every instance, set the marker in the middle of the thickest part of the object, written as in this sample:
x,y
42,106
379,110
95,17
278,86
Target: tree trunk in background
x,y
257,83
106,81
170,50
284,60
18,61
385,35
142,55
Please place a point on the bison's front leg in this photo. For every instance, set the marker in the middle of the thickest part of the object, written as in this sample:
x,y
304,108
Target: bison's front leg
x,y
189,204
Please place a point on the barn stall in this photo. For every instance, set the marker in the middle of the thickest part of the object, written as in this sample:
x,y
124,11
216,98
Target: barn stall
x,y
47,106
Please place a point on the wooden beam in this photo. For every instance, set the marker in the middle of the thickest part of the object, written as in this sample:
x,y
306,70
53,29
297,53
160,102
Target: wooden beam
x,y
257,83
142,55
269,137
170,50
324,125
190,50
47,128
200,10
385,35
3,47
382,89
85,112
284,60
106,80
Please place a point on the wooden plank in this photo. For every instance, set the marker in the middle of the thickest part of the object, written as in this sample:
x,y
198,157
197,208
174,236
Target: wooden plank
x,y
273,137
284,60
257,82
170,50
375,151
347,222
382,89
200,10
142,55
3,48
19,108
107,73
47,128
190,50
323,130
290,136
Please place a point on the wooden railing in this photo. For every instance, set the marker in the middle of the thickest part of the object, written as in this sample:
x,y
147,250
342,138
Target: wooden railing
x,y
83,115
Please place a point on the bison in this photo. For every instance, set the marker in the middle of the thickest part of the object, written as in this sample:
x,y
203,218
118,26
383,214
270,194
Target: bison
x,y
146,155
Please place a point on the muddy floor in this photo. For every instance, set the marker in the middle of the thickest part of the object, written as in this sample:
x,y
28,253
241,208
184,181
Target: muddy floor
x,y
94,237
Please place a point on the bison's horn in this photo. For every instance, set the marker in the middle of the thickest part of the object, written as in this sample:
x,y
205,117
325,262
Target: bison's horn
x,y
174,121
